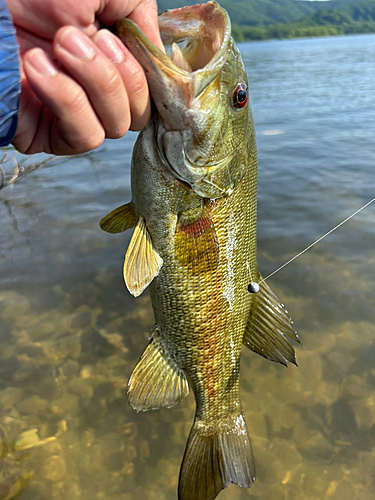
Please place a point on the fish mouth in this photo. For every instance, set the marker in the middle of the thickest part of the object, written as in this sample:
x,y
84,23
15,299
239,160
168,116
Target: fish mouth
x,y
196,40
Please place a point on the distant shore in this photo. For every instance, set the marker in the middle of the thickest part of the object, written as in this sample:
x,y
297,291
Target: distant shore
x,y
295,30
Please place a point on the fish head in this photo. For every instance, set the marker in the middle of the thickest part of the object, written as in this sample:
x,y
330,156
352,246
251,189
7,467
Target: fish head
x,y
204,125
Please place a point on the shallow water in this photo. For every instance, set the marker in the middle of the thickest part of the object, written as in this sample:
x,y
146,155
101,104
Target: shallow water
x,y
71,334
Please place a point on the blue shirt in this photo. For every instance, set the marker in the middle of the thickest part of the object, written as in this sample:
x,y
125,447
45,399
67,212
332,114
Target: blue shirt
x,y
9,76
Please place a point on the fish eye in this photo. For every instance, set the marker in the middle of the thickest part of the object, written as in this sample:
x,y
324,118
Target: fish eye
x,y
240,96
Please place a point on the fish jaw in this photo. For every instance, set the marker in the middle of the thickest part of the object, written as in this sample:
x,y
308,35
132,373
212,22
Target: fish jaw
x,y
185,86
203,31
171,87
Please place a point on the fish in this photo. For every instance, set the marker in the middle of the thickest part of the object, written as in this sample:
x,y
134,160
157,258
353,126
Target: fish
x,y
194,213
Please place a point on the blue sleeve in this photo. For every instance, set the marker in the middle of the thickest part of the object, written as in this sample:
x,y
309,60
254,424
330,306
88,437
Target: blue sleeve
x,y
9,76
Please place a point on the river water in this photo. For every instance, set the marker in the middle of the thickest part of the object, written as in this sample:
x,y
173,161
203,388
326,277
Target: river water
x,y
70,332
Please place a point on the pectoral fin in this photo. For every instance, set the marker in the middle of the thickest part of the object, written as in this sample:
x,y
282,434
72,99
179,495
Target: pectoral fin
x,y
156,381
142,262
119,220
269,328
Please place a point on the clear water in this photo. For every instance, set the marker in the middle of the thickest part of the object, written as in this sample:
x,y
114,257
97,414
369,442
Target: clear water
x,y
70,332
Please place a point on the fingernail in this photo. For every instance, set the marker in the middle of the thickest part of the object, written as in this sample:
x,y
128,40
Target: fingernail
x,y
41,63
75,42
107,44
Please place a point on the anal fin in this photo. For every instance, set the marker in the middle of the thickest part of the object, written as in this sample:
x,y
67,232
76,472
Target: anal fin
x,y
119,220
142,262
269,327
156,381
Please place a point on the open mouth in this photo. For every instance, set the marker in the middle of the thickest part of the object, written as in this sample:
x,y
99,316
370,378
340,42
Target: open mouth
x,y
195,37
196,40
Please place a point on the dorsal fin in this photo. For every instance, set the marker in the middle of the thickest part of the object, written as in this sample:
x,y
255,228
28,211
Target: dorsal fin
x,y
119,220
156,381
269,327
142,262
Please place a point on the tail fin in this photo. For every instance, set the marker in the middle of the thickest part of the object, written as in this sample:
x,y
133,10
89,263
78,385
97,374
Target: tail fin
x,y
215,456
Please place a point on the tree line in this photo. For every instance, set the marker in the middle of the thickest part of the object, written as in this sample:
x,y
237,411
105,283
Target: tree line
x,y
268,19
354,18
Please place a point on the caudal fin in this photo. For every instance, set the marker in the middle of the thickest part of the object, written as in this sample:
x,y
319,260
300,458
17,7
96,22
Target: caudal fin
x,y
215,456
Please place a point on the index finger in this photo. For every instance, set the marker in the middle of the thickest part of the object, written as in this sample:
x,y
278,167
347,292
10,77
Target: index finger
x,y
142,12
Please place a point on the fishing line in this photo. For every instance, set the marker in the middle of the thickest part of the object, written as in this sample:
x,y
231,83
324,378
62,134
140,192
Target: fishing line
x,y
317,241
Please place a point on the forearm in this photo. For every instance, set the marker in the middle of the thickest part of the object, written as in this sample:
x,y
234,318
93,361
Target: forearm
x,y
9,76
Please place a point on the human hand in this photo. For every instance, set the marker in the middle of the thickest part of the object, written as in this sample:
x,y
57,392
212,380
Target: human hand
x,y
79,84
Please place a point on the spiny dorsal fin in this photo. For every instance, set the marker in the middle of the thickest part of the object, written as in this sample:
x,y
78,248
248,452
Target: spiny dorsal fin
x,y
156,381
142,262
269,326
215,456
119,220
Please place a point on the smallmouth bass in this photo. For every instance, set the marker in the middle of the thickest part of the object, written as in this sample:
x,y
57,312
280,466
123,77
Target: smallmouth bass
x,y
194,182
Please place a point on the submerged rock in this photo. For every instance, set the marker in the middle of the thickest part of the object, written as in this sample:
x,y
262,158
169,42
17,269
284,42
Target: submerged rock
x,y
54,468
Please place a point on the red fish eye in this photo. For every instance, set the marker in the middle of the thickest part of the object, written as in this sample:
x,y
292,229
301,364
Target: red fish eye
x,y
240,96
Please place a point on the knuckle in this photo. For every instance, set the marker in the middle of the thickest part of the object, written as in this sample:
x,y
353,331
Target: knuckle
x,y
138,84
74,100
95,140
112,82
120,130
140,123
89,142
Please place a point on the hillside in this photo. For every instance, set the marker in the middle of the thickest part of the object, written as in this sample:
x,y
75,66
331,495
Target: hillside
x,y
364,11
265,19
255,12
346,18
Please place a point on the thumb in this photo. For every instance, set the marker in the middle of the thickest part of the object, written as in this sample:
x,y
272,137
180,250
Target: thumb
x,y
142,12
